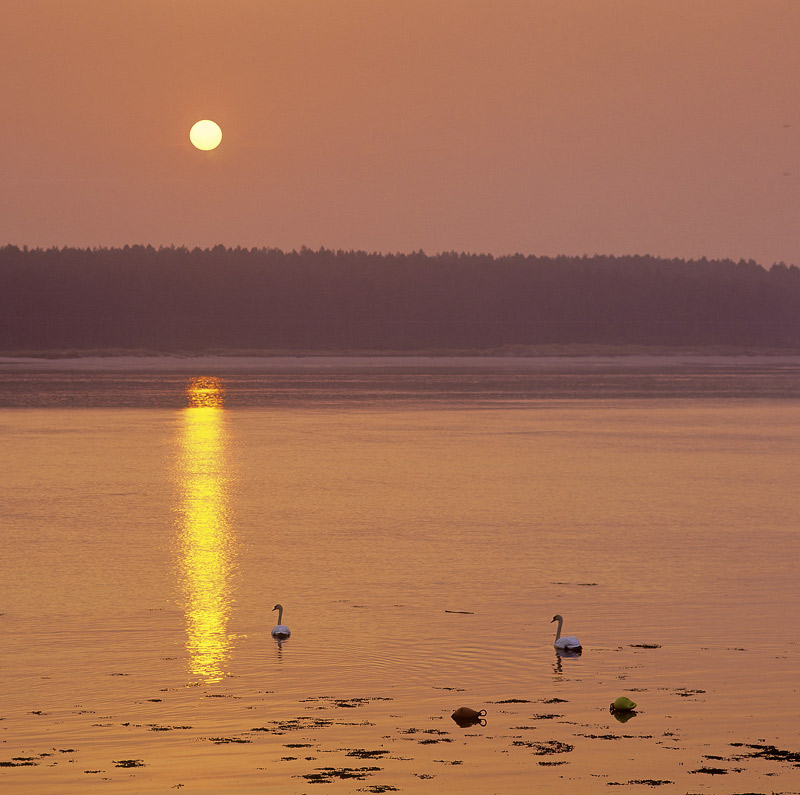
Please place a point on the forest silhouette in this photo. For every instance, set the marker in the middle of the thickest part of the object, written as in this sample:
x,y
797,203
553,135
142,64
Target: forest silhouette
x,y
175,299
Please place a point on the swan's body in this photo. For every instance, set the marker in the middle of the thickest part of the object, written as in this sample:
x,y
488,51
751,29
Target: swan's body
x,y
568,642
281,630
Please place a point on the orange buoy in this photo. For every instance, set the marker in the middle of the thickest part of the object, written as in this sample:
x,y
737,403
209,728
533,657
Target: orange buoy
x,y
465,716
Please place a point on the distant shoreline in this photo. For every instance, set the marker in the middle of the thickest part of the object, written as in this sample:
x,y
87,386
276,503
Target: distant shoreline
x,y
507,352
545,358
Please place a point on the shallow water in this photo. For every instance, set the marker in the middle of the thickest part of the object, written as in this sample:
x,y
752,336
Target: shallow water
x,y
420,543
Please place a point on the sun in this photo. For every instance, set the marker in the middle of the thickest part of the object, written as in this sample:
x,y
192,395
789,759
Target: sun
x,y
205,135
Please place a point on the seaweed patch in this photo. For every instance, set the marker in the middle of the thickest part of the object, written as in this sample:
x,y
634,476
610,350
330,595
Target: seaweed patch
x,y
686,692
157,728
546,746
650,782
769,752
223,740
325,775
362,754
303,723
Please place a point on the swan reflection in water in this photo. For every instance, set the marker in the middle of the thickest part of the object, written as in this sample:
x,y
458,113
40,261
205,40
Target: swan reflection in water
x,y
206,542
564,654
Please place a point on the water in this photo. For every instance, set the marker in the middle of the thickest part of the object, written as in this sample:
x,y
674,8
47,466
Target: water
x,y
421,525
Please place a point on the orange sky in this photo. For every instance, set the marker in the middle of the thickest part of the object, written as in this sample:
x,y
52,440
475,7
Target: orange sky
x,y
668,127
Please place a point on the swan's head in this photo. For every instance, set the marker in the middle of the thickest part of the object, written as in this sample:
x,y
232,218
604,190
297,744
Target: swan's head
x,y
556,618
278,607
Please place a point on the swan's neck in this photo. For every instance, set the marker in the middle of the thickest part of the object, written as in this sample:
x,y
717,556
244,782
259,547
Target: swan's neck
x,y
280,616
558,628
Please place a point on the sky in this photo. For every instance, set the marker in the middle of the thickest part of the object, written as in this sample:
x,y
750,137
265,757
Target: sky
x,y
546,127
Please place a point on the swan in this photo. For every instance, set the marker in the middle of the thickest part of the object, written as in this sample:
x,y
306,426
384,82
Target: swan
x,y
280,631
570,642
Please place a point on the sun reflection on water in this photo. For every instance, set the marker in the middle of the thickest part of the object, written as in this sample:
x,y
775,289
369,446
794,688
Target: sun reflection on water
x,y
207,553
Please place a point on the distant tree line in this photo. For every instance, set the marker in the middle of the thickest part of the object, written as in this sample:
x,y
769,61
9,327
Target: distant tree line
x,y
179,299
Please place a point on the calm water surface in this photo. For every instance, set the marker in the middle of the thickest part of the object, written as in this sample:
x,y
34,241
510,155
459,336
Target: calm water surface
x,y
421,528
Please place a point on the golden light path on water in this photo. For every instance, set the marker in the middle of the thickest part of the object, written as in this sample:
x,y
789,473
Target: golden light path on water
x,y
205,531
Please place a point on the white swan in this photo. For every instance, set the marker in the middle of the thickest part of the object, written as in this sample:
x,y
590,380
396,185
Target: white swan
x,y
281,630
569,642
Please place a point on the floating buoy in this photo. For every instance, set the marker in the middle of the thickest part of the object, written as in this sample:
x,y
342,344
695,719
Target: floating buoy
x,y
623,709
622,704
465,716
